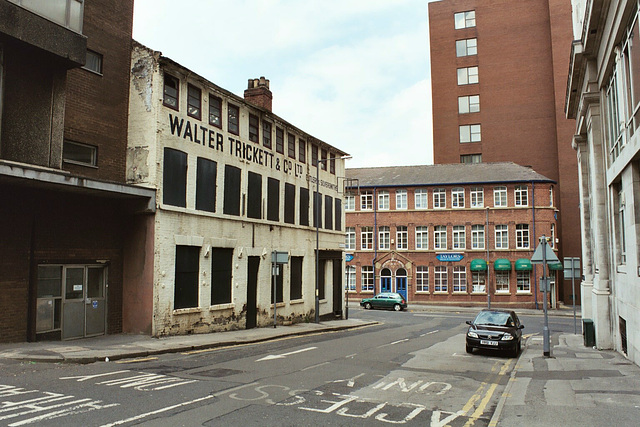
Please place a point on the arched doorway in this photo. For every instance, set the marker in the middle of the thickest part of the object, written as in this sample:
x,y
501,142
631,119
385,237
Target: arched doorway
x,y
385,280
401,282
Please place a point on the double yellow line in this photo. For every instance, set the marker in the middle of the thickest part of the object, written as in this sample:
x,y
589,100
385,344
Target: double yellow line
x,y
483,394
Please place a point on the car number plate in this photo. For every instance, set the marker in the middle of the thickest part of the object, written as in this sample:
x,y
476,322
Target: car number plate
x,y
486,342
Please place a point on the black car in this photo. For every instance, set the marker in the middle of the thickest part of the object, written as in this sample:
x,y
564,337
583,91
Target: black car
x,y
495,330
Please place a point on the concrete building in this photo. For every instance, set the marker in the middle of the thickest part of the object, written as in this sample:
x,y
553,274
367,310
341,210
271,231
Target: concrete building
x,y
440,234
498,72
67,216
235,183
603,96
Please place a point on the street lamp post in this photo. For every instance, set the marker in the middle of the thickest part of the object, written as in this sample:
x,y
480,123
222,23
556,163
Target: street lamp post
x,y
488,285
316,198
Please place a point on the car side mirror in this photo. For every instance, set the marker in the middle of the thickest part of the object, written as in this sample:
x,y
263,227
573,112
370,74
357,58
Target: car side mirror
x,y
469,322
521,327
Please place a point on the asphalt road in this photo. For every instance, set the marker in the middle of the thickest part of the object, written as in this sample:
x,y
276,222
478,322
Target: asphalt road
x,y
410,369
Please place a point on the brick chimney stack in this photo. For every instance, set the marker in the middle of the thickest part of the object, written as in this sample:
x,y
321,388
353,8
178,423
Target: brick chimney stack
x,y
258,93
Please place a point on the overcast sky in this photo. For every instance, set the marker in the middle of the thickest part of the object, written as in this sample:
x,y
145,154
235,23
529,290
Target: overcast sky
x,y
353,73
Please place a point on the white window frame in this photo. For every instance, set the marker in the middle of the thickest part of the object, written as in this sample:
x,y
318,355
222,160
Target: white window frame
x,y
521,195
523,282
470,133
502,236
468,104
500,197
478,282
421,199
366,278
466,19
459,279
439,198
383,200
457,197
422,237
350,238
522,236
466,47
384,238
477,237
459,237
401,199
349,202
440,237
366,201
441,275
350,273
502,282
422,279
366,238
402,237
468,76
477,197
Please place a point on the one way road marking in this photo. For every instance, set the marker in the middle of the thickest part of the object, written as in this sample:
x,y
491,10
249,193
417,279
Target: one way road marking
x,y
283,355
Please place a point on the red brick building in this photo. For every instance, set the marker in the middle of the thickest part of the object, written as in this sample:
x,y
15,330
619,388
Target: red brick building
x,y
440,233
70,225
499,71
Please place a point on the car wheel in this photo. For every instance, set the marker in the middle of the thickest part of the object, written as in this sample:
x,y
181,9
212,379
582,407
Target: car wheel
x,y
516,350
367,306
469,349
397,307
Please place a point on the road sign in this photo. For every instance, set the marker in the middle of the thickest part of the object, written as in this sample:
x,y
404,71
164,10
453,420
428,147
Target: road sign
x,y
572,268
348,257
444,257
549,254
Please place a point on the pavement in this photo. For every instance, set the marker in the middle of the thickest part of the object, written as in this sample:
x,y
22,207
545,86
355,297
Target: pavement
x,y
574,385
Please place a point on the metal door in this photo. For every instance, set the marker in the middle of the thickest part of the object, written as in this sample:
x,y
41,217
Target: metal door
x,y
252,291
84,303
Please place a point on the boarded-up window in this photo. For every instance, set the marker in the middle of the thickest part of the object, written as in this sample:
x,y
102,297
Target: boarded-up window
x,y
273,199
317,210
295,279
206,185
328,212
338,213
322,265
304,206
254,196
221,275
232,177
186,280
174,180
289,203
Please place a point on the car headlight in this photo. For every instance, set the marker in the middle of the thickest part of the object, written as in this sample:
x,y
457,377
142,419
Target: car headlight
x,y
507,337
472,334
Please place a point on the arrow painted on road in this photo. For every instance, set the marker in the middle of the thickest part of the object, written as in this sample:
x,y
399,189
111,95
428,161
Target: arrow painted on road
x,y
283,355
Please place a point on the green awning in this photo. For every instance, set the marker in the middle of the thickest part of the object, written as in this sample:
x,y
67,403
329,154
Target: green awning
x,y
502,264
523,264
478,265
555,266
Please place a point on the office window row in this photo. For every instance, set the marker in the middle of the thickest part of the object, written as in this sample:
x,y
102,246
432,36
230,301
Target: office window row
x,y
442,279
461,197
296,147
281,200
187,290
442,237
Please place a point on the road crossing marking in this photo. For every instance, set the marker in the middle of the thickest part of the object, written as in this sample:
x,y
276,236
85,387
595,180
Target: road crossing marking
x,y
283,355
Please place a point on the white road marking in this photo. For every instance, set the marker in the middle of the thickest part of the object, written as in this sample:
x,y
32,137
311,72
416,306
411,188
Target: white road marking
x,y
283,355
394,343
429,333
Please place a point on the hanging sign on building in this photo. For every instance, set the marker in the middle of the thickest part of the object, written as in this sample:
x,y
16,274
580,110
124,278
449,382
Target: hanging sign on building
x,y
450,257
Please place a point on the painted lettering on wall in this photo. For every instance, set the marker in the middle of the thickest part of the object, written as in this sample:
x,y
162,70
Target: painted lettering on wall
x,y
249,152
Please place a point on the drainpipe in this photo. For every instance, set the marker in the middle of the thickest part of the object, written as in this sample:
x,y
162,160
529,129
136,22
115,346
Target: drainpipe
x,y
533,218
375,236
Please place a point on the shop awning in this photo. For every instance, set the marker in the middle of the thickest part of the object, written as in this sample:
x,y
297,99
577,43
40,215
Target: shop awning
x,y
502,264
523,264
478,265
555,266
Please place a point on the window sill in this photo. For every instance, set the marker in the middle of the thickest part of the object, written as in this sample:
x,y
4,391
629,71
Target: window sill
x,y
441,293
278,304
296,301
193,310
226,306
524,293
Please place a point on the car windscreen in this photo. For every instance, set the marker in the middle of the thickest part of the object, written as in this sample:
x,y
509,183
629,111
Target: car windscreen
x,y
492,318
